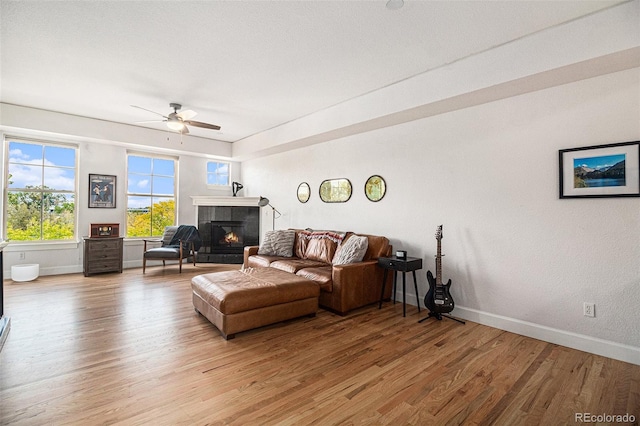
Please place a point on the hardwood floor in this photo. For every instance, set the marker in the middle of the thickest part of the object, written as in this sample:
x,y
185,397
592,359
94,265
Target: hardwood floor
x,y
130,349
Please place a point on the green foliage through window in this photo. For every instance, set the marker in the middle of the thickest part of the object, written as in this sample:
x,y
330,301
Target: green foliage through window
x,y
40,195
150,195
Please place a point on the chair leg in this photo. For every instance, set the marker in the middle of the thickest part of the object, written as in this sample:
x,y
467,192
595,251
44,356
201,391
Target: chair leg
x,y
144,264
180,261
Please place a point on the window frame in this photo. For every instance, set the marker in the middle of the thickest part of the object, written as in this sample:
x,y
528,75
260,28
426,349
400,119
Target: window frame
x,y
216,185
151,194
75,192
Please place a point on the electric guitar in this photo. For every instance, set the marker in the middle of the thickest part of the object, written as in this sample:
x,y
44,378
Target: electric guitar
x,y
438,299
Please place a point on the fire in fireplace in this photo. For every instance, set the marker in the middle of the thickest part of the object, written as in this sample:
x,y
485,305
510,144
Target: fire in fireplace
x,y
231,238
227,236
226,230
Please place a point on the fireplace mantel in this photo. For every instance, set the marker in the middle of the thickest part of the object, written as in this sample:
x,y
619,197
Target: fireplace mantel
x,y
209,200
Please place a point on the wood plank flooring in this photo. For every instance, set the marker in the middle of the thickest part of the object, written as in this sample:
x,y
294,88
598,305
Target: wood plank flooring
x,y
129,349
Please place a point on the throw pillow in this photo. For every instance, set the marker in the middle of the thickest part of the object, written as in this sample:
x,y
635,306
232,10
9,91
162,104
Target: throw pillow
x,y
278,243
302,239
353,250
322,245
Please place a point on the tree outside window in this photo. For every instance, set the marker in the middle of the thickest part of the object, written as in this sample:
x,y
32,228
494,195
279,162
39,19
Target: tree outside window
x,y
150,195
40,191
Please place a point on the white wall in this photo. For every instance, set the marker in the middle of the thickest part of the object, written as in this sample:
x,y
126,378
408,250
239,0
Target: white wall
x,y
520,258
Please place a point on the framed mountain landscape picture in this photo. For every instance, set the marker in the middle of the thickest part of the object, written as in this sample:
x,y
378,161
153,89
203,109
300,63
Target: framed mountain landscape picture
x,y
600,171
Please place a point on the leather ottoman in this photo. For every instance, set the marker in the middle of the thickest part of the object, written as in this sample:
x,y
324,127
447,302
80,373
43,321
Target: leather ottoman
x,y
236,301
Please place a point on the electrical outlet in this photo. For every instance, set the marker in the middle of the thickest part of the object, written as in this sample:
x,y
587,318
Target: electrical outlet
x,y
589,309
22,256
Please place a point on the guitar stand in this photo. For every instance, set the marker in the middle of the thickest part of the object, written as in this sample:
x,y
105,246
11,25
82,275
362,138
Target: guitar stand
x,y
439,317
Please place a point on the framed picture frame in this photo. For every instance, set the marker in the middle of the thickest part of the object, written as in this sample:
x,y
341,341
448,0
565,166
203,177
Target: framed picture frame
x,y
600,171
336,190
102,191
374,188
304,192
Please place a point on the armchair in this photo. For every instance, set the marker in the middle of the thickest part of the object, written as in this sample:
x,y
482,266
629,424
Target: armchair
x,y
178,242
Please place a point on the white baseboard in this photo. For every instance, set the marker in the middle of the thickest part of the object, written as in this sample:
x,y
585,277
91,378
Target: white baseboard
x,y
580,342
626,353
53,270
73,269
129,264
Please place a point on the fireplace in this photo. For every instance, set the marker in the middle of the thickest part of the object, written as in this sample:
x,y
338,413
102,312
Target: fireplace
x,y
225,231
227,236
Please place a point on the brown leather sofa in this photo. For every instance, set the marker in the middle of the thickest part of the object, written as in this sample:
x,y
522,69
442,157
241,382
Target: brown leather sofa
x,y
342,287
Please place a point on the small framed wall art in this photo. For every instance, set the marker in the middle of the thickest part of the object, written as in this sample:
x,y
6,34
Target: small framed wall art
x,y
102,191
335,190
304,192
375,188
600,171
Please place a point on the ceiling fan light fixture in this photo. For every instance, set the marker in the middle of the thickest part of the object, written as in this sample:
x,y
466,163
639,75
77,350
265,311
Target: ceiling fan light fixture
x,y
178,121
176,125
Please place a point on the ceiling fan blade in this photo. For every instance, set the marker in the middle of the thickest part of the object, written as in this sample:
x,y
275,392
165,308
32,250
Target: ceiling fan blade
x,y
148,110
187,114
201,124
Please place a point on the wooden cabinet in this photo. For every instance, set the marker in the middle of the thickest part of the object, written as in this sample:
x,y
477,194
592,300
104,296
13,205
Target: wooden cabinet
x,y
102,255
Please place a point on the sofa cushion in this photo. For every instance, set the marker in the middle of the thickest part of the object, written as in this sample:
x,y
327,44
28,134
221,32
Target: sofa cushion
x,y
378,247
163,253
278,243
351,250
322,275
322,245
261,261
293,264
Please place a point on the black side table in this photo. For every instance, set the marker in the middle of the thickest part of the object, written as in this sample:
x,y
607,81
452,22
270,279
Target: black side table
x,y
410,264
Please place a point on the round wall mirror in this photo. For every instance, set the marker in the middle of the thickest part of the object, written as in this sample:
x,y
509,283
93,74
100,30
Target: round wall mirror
x,y
375,188
335,190
304,192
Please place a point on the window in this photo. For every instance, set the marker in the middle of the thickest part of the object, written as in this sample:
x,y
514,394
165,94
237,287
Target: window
x,y
151,195
217,173
40,191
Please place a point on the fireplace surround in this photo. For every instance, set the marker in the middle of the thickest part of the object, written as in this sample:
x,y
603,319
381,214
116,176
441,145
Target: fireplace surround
x,y
226,225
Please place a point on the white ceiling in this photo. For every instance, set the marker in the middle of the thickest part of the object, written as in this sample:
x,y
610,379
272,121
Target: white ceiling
x,y
248,66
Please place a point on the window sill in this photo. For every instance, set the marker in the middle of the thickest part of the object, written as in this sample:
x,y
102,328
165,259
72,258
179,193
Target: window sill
x,y
17,246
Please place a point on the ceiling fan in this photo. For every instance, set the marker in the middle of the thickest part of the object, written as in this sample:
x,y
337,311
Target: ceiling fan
x,y
178,120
